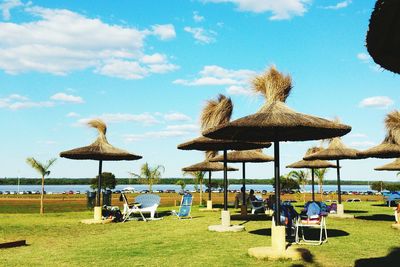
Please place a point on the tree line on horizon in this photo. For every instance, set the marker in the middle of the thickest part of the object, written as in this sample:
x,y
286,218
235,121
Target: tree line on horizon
x,y
87,181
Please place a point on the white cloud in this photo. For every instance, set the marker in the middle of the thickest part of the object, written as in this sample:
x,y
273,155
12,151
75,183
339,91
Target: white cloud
x,y
357,135
238,90
201,35
176,116
145,118
377,102
184,127
339,5
17,97
206,81
237,81
7,5
129,70
364,57
67,98
197,17
162,68
152,135
154,59
16,102
72,115
164,32
30,104
282,9
362,144
46,45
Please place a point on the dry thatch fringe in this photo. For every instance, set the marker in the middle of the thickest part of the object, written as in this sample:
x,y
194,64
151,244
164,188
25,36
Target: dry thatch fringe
x,y
330,140
211,154
274,85
313,150
392,123
99,125
216,112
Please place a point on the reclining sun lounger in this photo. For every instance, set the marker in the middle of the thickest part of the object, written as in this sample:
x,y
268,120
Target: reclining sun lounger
x,y
146,203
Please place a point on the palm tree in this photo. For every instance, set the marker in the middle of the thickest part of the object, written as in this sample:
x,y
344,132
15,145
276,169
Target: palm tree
x,y
149,175
198,178
301,177
320,173
43,169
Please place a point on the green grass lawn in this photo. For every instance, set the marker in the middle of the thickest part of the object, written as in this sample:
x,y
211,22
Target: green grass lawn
x,y
58,238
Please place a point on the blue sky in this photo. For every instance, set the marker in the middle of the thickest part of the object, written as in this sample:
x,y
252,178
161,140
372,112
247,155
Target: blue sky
x,y
147,68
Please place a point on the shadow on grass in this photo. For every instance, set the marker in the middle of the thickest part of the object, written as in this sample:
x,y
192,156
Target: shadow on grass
x,y
307,257
379,205
391,259
250,217
310,233
377,217
355,211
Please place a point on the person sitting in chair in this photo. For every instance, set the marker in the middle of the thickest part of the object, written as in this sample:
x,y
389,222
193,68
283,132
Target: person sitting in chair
x,y
239,198
252,197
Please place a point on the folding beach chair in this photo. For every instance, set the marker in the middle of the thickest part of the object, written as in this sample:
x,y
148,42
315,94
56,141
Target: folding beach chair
x,y
314,216
185,208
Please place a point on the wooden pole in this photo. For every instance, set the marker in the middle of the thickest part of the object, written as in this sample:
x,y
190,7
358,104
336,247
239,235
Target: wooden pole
x,y
312,184
277,213
244,183
338,182
99,184
209,185
225,181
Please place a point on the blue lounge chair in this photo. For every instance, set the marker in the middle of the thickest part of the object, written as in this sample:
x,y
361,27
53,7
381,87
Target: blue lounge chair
x,y
185,208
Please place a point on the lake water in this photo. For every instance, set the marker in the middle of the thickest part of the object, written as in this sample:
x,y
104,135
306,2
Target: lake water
x,y
139,187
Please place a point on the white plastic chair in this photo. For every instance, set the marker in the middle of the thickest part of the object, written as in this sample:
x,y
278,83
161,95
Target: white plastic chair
x,y
257,204
146,203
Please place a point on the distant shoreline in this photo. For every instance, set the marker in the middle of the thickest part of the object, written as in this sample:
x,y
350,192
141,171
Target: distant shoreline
x,y
86,181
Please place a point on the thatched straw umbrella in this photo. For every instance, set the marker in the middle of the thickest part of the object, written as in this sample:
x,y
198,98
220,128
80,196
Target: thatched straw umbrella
x,y
392,166
383,36
207,166
99,150
244,156
312,164
276,122
214,113
390,146
211,116
336,150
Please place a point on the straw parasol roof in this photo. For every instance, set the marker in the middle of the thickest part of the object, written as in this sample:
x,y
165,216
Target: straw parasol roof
x,y
207,166
390,147
275,121
383,36
254,155
99,149
205,144
311,164
393,166
336,150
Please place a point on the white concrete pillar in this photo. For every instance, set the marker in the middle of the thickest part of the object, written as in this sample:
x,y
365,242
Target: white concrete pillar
x,y
209,204
225,218
278,236
97,213
340,209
